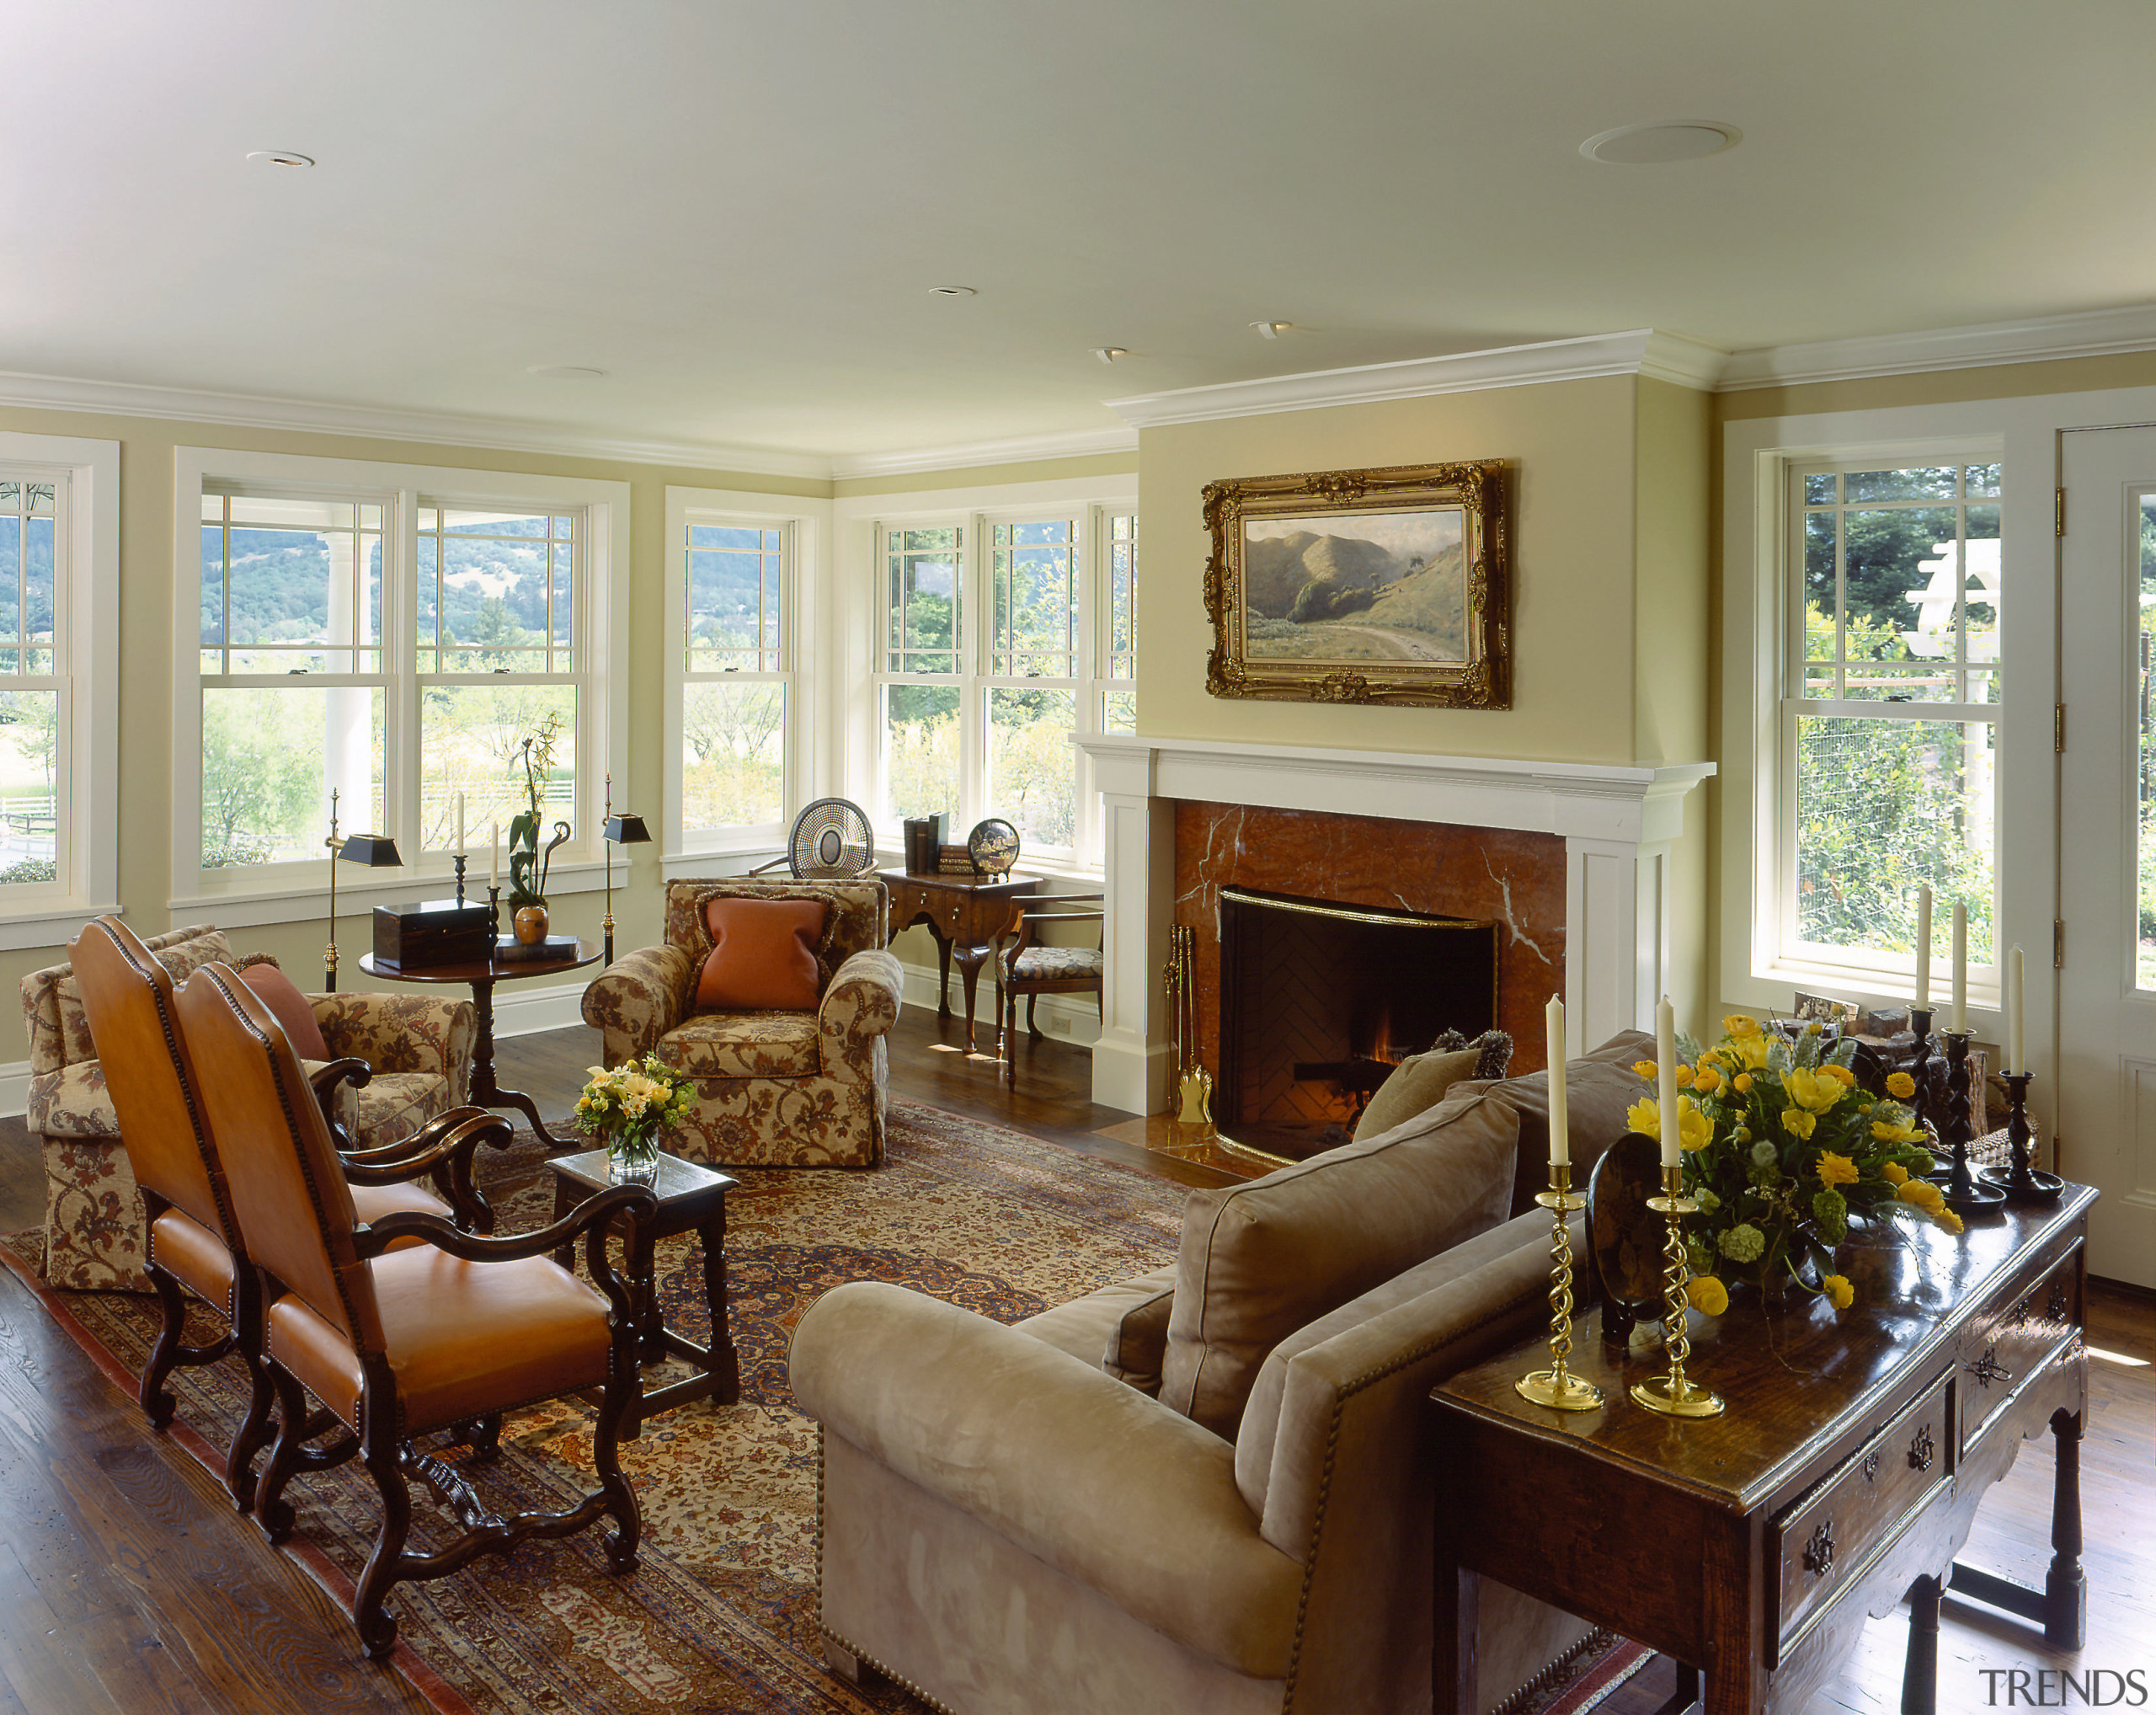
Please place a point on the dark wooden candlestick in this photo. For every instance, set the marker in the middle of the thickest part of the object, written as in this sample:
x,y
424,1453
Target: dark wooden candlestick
x,y
1921,1064
1964,1196
2022,1183
460,878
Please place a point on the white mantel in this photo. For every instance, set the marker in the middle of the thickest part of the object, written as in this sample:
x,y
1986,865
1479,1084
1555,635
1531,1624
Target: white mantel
x,y
1617,824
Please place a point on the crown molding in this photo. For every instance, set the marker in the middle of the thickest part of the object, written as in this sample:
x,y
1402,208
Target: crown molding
x,y
436,428
1979,345
1025,449
1640,351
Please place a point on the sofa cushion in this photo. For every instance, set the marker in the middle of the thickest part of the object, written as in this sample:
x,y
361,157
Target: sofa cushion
x,y
1419,1082
1122,1329
1599,1085
744,1045
1261,1260
763,954
294,1011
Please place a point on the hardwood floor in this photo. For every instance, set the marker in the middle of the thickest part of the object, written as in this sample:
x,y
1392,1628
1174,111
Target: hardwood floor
x,y
127,1584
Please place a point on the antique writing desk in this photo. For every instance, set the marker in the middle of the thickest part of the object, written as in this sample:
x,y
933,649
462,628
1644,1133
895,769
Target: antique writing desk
x,y
967,918
1843,1477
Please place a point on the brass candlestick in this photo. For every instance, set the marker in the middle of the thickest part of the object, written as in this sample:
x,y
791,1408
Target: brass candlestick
x,y
1557,1388
1671,1393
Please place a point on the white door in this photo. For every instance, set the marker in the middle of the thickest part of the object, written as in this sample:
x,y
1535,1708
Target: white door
x,y
2107,842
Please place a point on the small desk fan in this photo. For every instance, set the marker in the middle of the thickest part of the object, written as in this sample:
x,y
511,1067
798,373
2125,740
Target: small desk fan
x,y
831,841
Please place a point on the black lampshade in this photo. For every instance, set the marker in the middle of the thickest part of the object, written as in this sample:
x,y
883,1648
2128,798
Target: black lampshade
x,y
376,851
627,830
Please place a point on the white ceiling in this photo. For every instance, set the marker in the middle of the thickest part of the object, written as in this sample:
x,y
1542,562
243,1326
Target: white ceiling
x,y
738,209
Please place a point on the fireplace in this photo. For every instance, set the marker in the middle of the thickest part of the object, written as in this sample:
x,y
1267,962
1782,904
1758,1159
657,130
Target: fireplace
x,y
1320,1000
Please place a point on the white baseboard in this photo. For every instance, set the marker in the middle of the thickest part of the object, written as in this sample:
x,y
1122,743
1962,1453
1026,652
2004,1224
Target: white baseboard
x,y
1071,1019
522,1011
14,1088
517,1012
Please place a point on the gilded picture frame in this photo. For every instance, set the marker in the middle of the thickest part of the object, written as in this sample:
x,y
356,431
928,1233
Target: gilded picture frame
x,y
1390,585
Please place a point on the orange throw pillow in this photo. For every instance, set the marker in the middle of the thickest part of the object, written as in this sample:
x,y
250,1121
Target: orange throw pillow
x,y
763,955
282,996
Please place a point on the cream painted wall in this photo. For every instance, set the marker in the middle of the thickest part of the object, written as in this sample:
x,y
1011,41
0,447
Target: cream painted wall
x,y
1942,387
1671,648
1105,464
145,663
1571,444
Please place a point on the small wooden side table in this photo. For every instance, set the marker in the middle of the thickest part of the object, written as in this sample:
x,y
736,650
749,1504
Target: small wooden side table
x,y
691,1199
967,918
483,974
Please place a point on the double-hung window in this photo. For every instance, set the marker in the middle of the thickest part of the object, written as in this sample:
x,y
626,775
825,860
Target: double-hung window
x,y
737,680
390,634
35,701
1002,636
1888,739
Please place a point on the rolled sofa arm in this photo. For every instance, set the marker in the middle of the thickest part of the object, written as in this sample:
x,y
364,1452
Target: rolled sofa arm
x,y
1105,1484
858,1009
637,999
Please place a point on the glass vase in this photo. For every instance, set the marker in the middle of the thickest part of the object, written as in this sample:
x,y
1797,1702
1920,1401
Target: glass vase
x,y
632,1156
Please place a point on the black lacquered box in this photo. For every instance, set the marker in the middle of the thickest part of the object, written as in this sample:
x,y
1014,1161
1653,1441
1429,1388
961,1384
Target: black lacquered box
x,y
431,933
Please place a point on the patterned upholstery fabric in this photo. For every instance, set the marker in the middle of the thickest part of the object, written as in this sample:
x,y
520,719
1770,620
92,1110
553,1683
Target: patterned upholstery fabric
x,y
744,1045
94,1222
772,1089
1051,962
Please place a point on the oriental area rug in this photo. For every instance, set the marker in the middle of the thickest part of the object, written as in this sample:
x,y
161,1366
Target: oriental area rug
x,y
721,1613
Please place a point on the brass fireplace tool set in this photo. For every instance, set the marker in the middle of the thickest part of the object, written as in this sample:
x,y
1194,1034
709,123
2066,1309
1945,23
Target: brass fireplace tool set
x,y
1193,1083
1672,1393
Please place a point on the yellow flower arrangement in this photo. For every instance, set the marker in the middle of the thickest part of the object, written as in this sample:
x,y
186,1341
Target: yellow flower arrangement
x,y
1901,1086
628,1106
1782,1147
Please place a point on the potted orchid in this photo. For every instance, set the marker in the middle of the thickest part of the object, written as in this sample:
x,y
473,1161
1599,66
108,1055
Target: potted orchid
x,y
1782,1147
626,1108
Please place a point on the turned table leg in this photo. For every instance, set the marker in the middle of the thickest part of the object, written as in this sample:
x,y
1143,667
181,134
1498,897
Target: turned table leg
x,y
1920,1676
2066,1586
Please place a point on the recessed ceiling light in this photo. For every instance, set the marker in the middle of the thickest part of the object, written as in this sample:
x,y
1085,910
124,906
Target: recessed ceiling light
x,y
953,291
280,157
565,371
1270,330
1658,144
1108,354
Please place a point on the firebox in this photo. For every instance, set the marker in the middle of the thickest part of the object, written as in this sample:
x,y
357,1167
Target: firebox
x,y
1319,1001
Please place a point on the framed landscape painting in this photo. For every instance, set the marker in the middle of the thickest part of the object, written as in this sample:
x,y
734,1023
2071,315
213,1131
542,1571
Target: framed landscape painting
x,y
1362,586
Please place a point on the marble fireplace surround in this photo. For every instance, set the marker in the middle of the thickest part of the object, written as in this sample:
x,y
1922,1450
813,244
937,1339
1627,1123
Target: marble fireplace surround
x,y
1616,826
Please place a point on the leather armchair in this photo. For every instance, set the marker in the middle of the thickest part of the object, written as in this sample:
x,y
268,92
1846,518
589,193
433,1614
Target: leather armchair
x,y
399,1062
772,1089
193,1247
405,1325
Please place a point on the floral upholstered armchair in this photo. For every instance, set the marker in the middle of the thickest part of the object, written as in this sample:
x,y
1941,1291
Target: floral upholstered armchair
x,y
773,1088
417,1055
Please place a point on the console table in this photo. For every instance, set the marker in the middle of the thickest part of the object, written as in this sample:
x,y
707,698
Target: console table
x,y
1844,1476
967,918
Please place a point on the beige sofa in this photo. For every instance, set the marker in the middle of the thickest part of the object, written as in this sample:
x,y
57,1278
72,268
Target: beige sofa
x,y
1206,1488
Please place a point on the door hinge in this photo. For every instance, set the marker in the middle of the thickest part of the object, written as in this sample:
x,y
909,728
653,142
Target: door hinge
x,y
2058,943
2058,511
2059,728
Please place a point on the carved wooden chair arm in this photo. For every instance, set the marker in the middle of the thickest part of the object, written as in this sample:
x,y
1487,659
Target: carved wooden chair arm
x,y
591,1219
441,1150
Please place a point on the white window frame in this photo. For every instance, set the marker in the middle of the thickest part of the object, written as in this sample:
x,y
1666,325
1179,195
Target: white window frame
x,y
290,891
1759,968
86,601
806,526
1089,507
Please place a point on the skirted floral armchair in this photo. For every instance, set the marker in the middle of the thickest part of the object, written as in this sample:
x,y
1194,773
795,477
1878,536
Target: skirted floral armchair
x,y
772,1089
418,1050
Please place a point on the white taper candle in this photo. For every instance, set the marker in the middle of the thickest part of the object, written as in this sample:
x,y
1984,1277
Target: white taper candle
x,y
460,822
494,864
1960,967
1924,947
2017,1043
1561,1136
1665,1060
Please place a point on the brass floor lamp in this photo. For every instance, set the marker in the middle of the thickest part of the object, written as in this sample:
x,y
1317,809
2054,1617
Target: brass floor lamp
x,y
624,829
376,852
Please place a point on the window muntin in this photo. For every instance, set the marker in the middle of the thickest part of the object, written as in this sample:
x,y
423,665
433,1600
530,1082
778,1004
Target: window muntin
x,y
975,718
34,688
737,689
290,585
1889,707
2145,750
